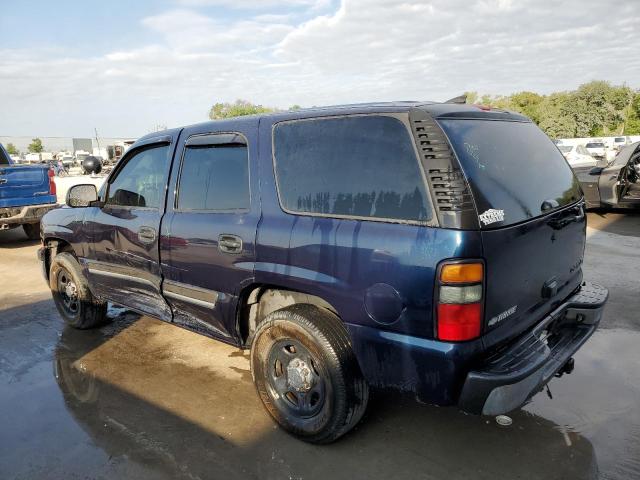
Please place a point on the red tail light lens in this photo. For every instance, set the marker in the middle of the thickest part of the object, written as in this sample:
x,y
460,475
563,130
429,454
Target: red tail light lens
x,y
460,297
52,183
459,322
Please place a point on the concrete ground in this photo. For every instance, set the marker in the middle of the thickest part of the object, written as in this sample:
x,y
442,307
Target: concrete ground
x,y
142,399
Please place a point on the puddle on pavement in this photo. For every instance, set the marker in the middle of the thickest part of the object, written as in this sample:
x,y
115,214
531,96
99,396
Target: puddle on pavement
x,y
144,399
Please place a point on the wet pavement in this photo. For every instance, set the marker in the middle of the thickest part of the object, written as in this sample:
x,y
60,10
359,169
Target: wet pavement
x,y
141,399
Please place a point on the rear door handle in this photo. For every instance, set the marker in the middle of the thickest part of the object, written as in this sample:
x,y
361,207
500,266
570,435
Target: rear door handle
x,y
229,243
146,234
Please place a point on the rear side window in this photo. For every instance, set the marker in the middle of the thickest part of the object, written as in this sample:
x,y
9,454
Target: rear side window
x,y
214,178
361,166
511,167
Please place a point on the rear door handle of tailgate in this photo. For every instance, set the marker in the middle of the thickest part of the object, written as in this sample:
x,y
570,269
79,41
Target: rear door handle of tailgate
x,y
558,223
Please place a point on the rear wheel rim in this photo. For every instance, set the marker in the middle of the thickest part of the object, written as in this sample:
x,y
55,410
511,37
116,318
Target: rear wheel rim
x,y
296,381
68,293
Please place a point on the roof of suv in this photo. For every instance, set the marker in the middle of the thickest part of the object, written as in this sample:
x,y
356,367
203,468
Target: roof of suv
x,y
437,110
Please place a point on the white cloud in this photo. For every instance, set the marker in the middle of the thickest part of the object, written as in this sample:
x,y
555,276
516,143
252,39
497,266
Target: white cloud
x,y
362,50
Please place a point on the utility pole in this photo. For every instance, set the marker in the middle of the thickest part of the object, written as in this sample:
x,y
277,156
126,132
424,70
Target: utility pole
x,y
97,141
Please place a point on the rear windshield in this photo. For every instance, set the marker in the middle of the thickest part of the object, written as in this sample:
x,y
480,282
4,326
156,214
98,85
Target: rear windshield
x,y
595,145
512,168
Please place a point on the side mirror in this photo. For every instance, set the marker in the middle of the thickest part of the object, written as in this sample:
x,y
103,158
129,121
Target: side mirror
x,y
596,171
82,195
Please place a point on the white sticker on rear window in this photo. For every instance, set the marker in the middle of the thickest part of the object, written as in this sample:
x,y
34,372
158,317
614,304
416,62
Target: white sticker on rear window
x,y
492,216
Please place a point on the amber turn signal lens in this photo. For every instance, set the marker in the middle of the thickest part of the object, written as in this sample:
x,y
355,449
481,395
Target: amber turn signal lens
x,y
461,273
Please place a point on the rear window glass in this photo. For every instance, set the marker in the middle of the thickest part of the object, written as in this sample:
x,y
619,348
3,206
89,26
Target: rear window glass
x,y
512,168
362,166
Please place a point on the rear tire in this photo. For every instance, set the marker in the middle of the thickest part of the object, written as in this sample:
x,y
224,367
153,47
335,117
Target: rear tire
x,y
32,230
70,289
306,373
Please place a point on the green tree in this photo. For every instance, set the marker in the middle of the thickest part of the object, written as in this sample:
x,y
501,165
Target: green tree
x,y
632,120
36,146
12,150
236,109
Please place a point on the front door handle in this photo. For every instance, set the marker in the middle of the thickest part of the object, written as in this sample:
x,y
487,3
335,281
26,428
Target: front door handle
x,y
146,234
229,243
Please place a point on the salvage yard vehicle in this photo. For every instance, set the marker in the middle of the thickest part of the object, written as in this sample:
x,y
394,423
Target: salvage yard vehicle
x,y
597,150
27,192
616,185
431,248
577,155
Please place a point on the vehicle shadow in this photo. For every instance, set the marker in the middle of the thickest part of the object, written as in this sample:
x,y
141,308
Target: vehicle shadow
x,y
199,419
618,221
158,401
15,238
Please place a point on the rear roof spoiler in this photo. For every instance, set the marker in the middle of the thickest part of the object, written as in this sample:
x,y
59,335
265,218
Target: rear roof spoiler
x,y
460,99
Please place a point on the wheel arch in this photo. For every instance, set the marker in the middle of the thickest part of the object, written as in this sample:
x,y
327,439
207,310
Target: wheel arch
x,y
256,301
54,246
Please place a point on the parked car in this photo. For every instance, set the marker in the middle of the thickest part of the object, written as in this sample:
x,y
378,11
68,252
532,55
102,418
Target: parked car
x,y
597,150
577,155
431,248
619,142
616,185
27,192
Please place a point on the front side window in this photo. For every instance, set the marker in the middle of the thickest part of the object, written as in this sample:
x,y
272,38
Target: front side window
x,y
359,166
141,182
214,177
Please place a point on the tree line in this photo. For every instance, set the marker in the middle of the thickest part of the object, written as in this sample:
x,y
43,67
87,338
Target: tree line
x,y
594,109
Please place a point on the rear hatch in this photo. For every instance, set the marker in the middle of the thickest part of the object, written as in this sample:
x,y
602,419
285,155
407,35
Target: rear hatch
x,y
24,185
530,214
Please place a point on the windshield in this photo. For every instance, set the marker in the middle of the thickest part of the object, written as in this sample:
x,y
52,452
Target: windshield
x,y
4,158
512,168
565,148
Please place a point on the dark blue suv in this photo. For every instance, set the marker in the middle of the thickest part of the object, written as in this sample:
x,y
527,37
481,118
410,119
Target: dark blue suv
x,y
427,247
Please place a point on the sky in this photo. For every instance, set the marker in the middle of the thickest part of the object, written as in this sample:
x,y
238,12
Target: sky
x,y
124,67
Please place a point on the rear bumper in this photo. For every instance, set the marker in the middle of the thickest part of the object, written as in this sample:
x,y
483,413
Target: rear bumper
x,y
14,216
510,376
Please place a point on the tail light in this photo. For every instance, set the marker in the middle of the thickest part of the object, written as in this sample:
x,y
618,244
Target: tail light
x,y
459,301
52,183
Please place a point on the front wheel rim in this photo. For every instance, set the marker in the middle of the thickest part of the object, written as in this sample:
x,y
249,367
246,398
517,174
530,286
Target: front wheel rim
x,y
295,379
68,293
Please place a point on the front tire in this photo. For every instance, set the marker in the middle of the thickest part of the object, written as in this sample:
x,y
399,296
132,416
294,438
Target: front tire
x,y
306,373
70,289
32,230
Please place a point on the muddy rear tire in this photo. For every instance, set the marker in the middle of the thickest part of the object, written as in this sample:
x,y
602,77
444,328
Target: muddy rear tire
x,y
70,289
306,373
32,230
